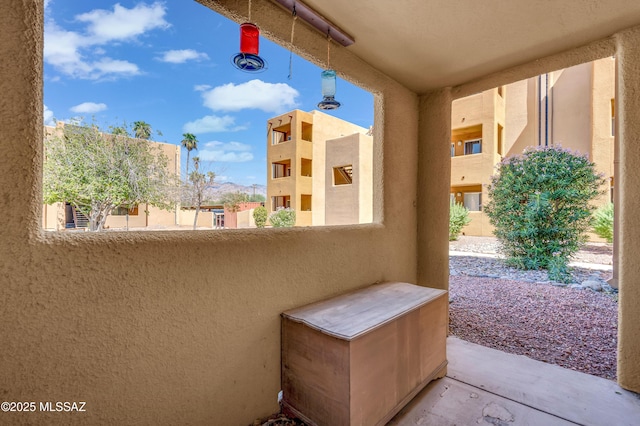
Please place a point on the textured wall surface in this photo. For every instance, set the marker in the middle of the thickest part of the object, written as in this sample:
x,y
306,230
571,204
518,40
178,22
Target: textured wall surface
x,y
628,206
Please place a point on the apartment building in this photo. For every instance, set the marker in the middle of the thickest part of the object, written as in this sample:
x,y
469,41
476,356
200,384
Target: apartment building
x,y
61,216
320,166
571,107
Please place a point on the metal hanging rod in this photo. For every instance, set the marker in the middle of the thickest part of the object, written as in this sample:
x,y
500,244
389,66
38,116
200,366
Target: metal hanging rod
x,y
317,21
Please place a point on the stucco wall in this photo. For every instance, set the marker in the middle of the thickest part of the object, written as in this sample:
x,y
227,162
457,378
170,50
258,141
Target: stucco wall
x,y
175,327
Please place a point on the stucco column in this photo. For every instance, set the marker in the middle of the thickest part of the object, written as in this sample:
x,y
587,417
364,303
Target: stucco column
x,y
21,118
628,206
434,181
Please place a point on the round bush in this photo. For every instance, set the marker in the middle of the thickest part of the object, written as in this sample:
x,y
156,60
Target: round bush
x,y
540,206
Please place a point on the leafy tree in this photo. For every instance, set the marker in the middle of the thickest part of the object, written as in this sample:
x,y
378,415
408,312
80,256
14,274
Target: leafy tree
x,y
283,218
540,207
260,216
142,130
257,198
231,200
119,130
603,222
199,183
458,219
189,142
96,172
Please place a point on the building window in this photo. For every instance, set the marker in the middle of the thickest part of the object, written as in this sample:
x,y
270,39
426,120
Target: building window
x,y
281,169
613,117
281,134
280,202
453,149
305,167
305,202
307,132
343,175
473,201
123,211
473,147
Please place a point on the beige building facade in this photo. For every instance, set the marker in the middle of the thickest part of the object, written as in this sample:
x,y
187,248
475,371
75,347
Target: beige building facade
x,y
297,151
184,327
571,107
61,216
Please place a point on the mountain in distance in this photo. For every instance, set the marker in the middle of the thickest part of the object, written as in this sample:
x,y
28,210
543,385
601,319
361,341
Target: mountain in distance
x,y
216,191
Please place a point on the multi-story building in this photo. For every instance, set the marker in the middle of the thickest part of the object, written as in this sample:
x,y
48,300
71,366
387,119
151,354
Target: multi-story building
x,y
59,216
321,167
572,107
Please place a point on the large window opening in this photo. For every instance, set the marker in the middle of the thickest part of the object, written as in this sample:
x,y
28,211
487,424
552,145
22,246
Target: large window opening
x,y
572,108
281,169
217,137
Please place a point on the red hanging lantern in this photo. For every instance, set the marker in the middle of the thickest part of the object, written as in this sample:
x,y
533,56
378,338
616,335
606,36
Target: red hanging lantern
x,y
248,59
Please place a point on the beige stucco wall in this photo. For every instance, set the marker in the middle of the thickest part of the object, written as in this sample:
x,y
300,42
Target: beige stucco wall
x,y
176,327
627,237
349,204
325,127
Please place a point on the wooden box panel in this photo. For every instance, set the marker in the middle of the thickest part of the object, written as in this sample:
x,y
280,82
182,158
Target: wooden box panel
x,y
357,359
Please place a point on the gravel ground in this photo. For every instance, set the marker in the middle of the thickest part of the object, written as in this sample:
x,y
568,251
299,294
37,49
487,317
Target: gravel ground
x,y
521,312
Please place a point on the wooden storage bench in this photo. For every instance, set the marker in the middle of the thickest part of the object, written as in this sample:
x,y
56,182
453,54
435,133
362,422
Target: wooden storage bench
x,y
357,359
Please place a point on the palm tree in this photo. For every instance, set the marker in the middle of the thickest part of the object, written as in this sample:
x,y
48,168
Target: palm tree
x,y
142,130
190,142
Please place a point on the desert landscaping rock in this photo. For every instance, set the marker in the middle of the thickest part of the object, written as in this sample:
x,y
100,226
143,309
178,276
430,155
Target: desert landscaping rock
x,y
523,312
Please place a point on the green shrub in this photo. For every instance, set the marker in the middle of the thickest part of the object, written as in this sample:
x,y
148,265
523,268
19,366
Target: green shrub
x,y
540,206
602,222
283,218
260,216
458,219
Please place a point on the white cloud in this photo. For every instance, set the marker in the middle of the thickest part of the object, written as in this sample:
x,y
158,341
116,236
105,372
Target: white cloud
x,y
88,108
182,56
212,123
81,55
123,23
48,117
230,152
201,87
254,94
115,66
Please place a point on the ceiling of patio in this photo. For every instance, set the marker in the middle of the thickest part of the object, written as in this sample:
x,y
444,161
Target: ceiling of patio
x,y
426,44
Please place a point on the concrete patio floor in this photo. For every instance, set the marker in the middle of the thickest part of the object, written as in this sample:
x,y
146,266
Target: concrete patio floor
x,y
487,387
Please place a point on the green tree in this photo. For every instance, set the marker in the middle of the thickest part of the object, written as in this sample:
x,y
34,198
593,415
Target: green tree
x,y
540,206
602,222
96,172
458,219
231,200
189,142
283,218
257,198
260,216
199,182
142,130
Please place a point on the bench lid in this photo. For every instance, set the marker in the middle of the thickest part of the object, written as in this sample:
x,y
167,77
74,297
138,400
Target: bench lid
x,y
353,314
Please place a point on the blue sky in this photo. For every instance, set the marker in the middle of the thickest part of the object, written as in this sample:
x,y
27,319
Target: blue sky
x,y
169,63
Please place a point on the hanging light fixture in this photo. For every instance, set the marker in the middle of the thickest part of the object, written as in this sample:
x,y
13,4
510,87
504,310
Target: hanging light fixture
x,y
248,59
328,77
